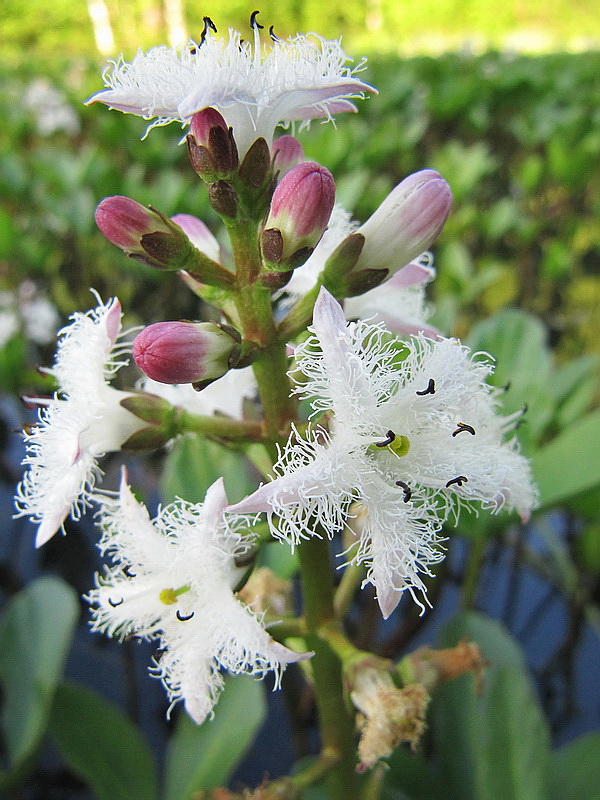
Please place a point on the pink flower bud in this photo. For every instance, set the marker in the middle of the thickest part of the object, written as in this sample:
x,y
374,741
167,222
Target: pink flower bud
x,y
185,352
287,153
406,223
124,221
203,122
211,146
300,209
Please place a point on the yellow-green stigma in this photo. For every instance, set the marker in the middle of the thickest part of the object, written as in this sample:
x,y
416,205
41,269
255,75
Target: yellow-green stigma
x,y
169,596
398,444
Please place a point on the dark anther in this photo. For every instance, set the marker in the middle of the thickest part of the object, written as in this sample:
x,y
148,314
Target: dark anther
x,y
506,387
182,618
114,603
459,480
430,388
407,490
209,25
272,34
462,427
390,438
524,409
129,572
254,23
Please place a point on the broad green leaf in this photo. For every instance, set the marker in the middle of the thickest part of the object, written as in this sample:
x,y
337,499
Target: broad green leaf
x,y
575,770
516,739
569,464
204,756
35,635
517,341
101,745
194,463
455,732
493,745
410,777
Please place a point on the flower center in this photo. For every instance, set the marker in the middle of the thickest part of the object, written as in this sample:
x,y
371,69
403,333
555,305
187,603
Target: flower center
x,y
394,442
169,596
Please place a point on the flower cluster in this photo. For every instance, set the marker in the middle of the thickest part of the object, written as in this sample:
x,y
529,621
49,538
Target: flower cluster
x,y
403,428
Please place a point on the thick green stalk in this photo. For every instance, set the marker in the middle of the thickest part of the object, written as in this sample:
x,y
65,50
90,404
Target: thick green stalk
x,y
253,305
336,723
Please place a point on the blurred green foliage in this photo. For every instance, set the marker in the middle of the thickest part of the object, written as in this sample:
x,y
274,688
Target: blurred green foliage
x,y
518,139
369,26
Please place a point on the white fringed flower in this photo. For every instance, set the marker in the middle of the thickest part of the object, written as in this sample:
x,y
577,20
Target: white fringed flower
x,y
83,421
398,302
172,581
413,436
253,87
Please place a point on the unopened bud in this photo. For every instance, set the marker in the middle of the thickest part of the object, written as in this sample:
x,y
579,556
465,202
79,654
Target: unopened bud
x,y
287,153
300,210
211,146
406,223
186,352
143,233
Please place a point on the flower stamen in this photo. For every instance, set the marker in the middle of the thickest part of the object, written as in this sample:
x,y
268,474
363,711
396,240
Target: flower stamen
x,y
115,603
390,437
459,480
462,427
429,390
183,617
254,23
407,491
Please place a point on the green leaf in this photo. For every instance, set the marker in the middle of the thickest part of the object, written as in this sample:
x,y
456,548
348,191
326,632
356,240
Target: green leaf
x,y
517,341
203,756
102,746
569,464
194,463
516,739
493,745
575,770
409,776
35,635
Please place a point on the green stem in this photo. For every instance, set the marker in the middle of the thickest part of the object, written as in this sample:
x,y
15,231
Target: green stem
x,y
473,571
253,305
336,723
231,430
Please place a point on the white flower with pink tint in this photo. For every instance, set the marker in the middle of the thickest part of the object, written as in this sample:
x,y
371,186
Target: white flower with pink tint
x,y
83,421
172,581
409,434
252,85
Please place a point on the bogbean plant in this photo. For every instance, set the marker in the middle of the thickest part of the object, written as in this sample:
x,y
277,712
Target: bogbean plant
x,y
372,428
